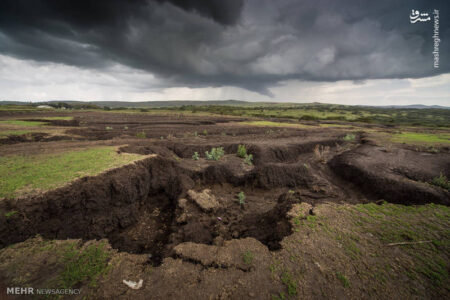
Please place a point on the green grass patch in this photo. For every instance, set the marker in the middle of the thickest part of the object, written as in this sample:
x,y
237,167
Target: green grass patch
x,y
441,181
433,269
59,118
311,221
14,132
24,173
23,123
290,284
344,280
326,125
274,124
248,257
280,296
141,135
392,223
83,266
429,138
9,214
349,137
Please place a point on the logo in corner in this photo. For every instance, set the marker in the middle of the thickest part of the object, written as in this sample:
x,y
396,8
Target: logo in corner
x,y
416,16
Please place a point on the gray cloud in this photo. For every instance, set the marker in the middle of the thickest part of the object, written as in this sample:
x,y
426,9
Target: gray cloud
x,y
253,44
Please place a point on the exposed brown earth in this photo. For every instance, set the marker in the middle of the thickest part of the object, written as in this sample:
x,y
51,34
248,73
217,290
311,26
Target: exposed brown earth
x,y
177,222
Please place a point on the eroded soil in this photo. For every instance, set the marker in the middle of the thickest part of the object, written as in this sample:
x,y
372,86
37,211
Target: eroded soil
x,y
178,222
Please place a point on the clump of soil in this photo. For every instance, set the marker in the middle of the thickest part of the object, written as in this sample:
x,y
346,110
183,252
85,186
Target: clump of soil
x,y
29,137
391,176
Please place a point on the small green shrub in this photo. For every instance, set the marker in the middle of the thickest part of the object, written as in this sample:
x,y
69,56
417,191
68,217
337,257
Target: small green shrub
x,y
195,156
215,154
248,257
242,151
308,118
196,134
349,137
289,282
248,159
205,132
280,296
108,128
432,149
241,198
125,127
141,135
10,213
441,181
345,282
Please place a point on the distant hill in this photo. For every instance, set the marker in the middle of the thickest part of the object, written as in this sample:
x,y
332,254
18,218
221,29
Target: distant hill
x,y
417,106
143,104
173,103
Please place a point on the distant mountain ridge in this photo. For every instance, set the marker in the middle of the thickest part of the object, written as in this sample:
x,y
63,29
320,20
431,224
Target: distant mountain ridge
x,y
141,104
418,106
172,103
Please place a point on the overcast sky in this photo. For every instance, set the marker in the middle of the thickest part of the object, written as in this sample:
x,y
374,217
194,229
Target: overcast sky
x,y
350,52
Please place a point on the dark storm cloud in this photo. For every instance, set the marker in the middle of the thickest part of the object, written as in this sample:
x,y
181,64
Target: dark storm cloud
x,y
252,44
225,12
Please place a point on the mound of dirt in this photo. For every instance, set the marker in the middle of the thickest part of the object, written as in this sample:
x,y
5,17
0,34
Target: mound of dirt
x,y
230,255
276,175
399,176
29,137
91,207
289,152
34,137
204,199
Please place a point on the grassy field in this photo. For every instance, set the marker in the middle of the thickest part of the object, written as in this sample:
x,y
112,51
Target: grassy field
x,y
20,127
73,262
306,111
398,245
58,118
4,133
414,137
275,124
292,125
316,111
23,123
22,174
